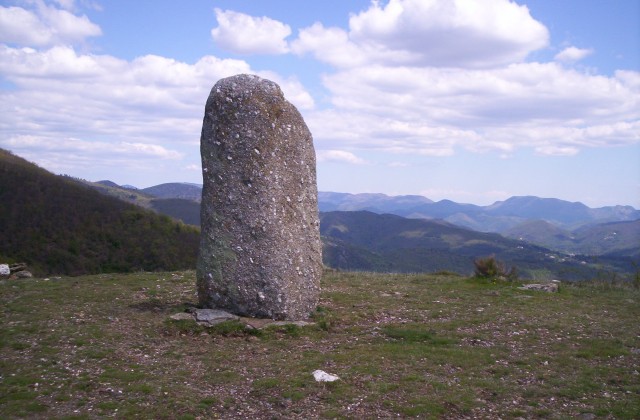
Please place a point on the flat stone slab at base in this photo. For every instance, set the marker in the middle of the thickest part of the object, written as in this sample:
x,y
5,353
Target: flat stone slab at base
x,y
210,317
213,316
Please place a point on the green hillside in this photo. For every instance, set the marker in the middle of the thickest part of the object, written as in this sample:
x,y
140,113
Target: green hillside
x,y
59,226
180,209
389,243
613,238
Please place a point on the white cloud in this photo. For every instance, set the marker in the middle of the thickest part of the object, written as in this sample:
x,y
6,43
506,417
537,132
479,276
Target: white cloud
x,y
244,34
441,33
338,156
434,111
555,150
399,87
571,54
431,77
62,154
78,108
44,26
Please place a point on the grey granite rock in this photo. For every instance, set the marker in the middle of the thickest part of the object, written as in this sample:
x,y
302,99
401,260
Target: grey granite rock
x,y
260,253
213,316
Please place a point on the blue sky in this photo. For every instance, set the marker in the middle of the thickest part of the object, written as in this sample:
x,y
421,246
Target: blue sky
x,y
469,100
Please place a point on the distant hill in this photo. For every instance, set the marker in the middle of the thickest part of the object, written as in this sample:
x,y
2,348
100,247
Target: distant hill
x,y
181,190
185,210
498,217
614,238
188,211
121,192
378,203
542,233
388,243
59,226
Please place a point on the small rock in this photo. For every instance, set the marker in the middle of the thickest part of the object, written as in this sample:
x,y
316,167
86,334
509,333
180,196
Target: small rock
x,y
17,267
548,287
23,274
322,376
4,270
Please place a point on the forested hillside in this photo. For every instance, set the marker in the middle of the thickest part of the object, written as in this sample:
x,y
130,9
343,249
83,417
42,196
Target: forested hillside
x,y
388,243
59,226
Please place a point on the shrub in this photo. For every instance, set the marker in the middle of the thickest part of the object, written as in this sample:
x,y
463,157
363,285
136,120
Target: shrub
x,y
490,267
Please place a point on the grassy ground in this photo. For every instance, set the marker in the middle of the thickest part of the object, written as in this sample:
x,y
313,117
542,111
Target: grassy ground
x,y
403,346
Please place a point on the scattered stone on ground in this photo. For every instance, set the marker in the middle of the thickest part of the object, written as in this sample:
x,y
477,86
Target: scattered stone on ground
x,y
18,267
24,274
14,271
322,376
260,251
552,287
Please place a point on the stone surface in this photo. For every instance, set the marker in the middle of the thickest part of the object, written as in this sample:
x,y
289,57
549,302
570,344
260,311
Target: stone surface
x,y
182,316
213,316
322,376
17,267
547,287
24,274
4,270
260,252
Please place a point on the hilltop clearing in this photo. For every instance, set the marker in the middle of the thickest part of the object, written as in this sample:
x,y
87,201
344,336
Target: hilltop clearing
x,y
402,346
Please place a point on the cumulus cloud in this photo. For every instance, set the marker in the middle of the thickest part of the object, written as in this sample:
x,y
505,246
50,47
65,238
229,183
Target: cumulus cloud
x,y
411,77
44,26
571,54
244,34
435,111
63,154
149,99
441,33
432,77
65,103
338,156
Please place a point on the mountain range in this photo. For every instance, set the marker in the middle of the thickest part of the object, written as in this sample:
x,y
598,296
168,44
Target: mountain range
x,y
548,222
497,217
71,226
534,244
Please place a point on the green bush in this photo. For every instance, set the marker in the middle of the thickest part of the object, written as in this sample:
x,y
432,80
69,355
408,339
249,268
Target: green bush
x,y
490,268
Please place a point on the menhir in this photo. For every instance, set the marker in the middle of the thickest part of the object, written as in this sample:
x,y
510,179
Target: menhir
x,y
260,252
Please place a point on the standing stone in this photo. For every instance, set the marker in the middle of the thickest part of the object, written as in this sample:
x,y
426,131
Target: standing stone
x,y
260,250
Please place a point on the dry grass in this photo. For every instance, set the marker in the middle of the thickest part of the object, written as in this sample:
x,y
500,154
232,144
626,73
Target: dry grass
x,y
403,346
